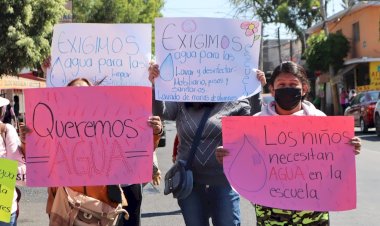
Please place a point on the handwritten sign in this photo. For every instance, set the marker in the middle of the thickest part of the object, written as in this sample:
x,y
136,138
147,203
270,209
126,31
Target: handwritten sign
x,y
89,136
8,173
206,59
120,53
292,162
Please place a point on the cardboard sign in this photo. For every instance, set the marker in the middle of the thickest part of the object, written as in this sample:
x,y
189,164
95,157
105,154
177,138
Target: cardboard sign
x,y
8,174
117,53
292,162
89,136
206,59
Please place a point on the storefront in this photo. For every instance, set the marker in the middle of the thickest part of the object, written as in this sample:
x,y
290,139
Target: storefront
x,y
11,86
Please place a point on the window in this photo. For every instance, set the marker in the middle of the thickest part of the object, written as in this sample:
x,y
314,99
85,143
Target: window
x,y
355,32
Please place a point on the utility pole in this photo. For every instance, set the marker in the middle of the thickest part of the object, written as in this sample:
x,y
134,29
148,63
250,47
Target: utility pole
x,y
261,58
279,44
334,88
323,13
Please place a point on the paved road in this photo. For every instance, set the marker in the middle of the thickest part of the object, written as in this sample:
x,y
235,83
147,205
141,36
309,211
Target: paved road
x,y
160,210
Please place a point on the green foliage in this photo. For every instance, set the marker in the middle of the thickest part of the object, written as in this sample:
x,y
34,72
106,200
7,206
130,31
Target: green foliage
x,y
296,15
25,32
117,11
325,50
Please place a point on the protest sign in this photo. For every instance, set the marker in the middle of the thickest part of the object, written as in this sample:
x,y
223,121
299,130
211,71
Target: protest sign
x,y
89,136
206,59
8,174
117,53
292,162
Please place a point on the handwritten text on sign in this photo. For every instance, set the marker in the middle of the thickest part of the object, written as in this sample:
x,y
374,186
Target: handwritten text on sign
x,y
206,59
120,53
292,162
8,174
89,136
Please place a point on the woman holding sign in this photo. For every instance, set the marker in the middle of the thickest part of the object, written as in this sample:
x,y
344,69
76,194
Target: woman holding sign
x,y
289,86
211,194
113,195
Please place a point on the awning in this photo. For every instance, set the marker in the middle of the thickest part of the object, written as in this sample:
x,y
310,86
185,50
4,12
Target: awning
x,y
338,78
346,69
21,82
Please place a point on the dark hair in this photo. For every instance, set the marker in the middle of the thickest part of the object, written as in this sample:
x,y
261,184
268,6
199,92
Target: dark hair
x,y
71,83
292,68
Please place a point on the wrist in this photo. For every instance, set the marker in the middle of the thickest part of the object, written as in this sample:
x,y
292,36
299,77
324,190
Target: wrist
x,y
159,133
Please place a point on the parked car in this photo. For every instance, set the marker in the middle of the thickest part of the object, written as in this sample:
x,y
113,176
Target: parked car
x,y
362,108
376,118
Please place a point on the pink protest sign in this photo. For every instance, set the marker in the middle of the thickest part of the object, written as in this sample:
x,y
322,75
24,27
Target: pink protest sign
x,y
89,136
292,162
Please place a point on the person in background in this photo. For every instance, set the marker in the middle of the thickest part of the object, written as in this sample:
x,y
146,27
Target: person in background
x,y
212,195
351,95
343,99
9,116
11,147
16,106
289,86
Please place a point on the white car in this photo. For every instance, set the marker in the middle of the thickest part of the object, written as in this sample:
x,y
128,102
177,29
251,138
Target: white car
x,y
376,117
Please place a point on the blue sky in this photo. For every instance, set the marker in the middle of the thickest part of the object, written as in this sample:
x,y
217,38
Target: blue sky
x,y
222,8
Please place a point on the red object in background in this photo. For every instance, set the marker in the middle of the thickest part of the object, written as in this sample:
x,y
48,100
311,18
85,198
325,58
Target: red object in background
x,y
175,147
362,108
317,73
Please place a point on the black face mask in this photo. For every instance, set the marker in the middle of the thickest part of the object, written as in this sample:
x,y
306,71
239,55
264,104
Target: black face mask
x,y
288,98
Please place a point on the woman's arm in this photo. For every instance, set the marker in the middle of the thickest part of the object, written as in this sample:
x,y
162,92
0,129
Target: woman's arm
x,y
167,110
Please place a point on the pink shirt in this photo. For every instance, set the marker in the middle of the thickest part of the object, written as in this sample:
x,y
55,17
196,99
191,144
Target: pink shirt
x,y
9,148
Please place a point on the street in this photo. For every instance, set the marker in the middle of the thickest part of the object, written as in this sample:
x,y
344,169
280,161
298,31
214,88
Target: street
x,y
160,210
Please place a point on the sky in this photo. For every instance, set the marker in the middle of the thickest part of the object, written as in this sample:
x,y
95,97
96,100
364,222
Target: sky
x,y
223,9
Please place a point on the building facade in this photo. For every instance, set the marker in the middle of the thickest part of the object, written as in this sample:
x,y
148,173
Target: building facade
x,y
360,24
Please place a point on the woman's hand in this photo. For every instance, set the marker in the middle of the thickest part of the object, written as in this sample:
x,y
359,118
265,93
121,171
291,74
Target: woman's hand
x,y
46,64
23,131
156,180
357,143
261,77
154,72
220,153
156,124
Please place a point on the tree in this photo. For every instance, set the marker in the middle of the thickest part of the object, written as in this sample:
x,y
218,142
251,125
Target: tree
x,y
325,50
25,32
294,14
117,11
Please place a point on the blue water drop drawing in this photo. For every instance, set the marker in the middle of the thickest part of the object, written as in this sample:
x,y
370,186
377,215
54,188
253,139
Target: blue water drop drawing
x,y
167,68
57,77
255,164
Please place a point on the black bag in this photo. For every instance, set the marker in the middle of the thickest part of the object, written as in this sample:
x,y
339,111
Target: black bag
x,y
179,181
179,178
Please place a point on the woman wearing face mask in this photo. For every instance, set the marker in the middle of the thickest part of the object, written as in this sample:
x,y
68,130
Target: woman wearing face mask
x,y
289,86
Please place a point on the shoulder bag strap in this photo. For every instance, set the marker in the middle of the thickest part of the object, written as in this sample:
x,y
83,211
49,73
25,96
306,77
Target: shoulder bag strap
x,y
197,137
